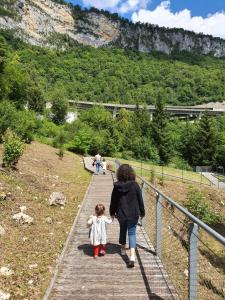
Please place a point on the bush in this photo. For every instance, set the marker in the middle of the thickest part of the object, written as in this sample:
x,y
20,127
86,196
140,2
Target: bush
x,y
7,116
60,139
127,155
47,129
13,149
25,125
197,205
179,163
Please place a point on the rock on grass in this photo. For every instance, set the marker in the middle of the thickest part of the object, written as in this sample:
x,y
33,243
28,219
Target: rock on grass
x,y
4,296
57,198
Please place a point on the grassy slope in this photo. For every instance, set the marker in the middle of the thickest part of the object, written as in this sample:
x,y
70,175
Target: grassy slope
x,y
189,175
40,243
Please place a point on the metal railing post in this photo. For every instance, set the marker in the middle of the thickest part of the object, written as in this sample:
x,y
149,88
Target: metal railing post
x,y
193,262
143,196
158,224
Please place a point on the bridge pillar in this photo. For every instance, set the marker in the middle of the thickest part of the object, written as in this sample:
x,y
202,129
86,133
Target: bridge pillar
x,y
151,116
114,112
200,116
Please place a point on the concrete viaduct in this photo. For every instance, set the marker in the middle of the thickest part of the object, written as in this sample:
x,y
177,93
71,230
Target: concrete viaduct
x,y
176,111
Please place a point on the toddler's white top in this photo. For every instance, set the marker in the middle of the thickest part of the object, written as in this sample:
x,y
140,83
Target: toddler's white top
x,y
98,229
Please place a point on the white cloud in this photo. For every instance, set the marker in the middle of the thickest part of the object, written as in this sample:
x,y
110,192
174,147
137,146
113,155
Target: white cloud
x,y
213,24
132,5
122,6
102,4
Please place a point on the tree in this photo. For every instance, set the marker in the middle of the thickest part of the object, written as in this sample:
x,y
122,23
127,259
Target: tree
x,y
186,143
36,100
160,134
59,106
205,142
15,82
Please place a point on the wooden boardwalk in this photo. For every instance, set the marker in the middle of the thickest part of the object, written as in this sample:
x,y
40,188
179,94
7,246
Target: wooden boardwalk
x,y
79,276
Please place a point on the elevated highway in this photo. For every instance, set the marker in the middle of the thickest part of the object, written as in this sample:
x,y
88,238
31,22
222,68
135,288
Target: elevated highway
x,y
178,111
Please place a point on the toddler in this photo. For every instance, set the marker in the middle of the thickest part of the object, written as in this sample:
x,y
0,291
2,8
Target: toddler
x,y
98,229
104,166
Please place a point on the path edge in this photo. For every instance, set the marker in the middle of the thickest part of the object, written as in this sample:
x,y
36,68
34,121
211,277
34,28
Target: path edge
x,y
61,257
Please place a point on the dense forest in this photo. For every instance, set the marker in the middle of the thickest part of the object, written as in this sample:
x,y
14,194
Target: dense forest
x,y
113,75
31,76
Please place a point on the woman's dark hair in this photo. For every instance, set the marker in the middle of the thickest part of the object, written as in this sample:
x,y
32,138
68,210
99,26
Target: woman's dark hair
x,y
125,173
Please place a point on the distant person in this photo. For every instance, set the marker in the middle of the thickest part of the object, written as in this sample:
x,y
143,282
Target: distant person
x,y
98,223
104,166
127,206
97,161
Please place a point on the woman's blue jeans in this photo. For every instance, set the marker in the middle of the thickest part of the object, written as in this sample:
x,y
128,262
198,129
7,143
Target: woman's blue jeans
x,y
130,226
98,164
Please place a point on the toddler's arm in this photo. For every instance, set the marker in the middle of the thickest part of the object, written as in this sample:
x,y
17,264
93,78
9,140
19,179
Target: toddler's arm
x,y
90,221
108,220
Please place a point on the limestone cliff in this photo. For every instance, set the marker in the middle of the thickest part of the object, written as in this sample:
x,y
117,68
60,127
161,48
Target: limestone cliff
x,y
47,23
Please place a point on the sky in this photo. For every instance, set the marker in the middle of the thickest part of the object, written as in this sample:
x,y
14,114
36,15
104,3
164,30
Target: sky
x,y
207,16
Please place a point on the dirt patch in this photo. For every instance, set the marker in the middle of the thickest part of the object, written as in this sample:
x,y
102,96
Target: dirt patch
x,y
31,251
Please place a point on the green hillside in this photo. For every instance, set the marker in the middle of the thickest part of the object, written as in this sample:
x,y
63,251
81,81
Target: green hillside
x,y
108,75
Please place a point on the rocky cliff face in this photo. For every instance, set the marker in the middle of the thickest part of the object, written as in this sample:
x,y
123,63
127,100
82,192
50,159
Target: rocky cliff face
x,y
45,23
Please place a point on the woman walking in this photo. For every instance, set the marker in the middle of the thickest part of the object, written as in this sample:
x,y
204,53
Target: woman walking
x,y
127,206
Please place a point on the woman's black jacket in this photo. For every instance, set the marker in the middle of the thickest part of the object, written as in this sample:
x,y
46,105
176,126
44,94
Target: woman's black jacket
x,y
126,201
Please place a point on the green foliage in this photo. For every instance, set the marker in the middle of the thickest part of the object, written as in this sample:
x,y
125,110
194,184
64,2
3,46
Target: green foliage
x,y
160,133
25,125
114,75
198,206
36,100
127,154
60,139
179,163
21,122
59,109
7,116
13,149
205,142
4,51
15,82
81,142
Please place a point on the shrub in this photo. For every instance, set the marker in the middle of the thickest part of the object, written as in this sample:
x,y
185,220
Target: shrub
x,y
127,155
197,205
60,139
7,116
13,149
47,129
179,163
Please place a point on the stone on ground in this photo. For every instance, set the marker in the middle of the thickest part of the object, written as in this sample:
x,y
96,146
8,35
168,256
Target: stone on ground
x,y
57,198
2,230
4,271
23,218
4,296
